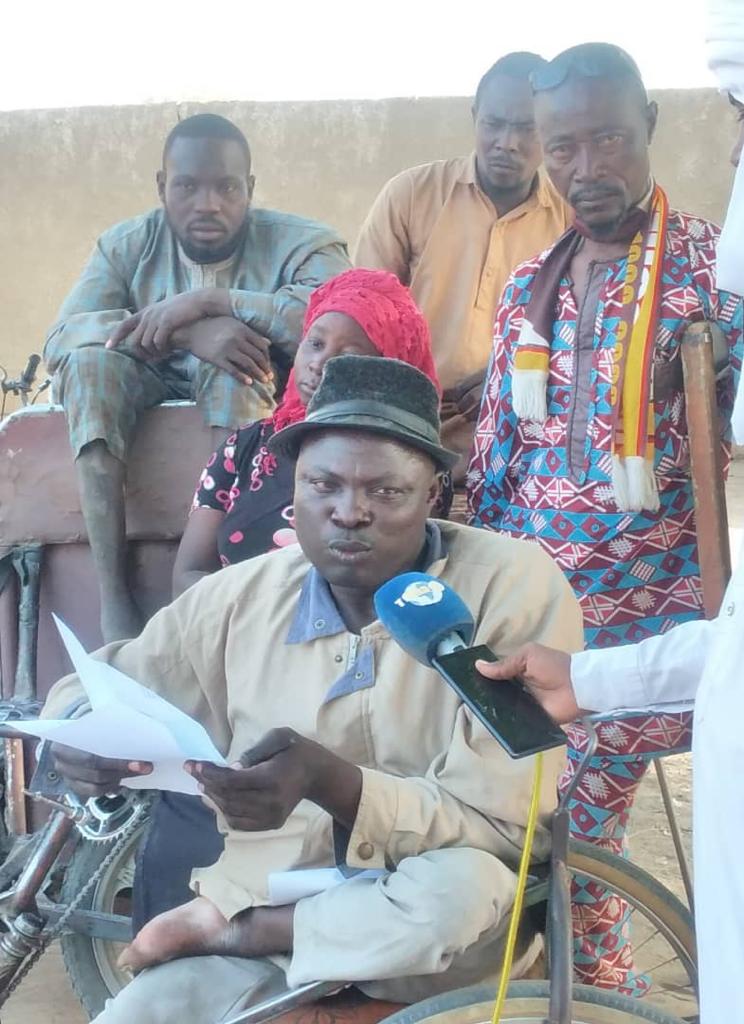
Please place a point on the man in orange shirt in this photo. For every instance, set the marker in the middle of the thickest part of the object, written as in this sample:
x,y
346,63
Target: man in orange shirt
x,y
454,230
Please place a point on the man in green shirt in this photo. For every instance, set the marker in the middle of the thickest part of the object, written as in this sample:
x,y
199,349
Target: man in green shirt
x,y
201,298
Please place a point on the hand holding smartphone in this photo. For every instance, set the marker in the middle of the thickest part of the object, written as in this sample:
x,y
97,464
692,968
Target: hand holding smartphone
x,y
506,708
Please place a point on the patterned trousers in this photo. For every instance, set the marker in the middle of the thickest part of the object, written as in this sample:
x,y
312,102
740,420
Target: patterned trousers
x,y
105,391
603,952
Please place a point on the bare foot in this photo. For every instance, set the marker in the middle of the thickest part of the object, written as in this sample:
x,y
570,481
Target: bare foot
x,y
121,619
199,929
195,929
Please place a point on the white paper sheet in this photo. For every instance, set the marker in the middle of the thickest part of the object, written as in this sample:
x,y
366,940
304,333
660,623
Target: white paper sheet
x,y
291,886
128,721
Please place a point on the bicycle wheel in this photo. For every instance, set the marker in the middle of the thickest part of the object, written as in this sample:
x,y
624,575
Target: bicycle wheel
x,y
527,1003
91,962
662,928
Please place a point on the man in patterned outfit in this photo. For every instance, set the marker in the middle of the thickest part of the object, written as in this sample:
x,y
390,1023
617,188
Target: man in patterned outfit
x,y
582,443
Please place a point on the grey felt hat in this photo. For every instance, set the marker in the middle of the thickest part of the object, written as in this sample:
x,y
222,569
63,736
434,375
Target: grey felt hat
x,y
383,396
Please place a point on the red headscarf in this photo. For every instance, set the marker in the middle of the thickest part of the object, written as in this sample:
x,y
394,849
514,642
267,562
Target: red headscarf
x,y
387,314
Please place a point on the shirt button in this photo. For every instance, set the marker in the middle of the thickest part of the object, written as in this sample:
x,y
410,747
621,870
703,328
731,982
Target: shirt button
x,y
730,609
320,623
359,675
366,851
339,657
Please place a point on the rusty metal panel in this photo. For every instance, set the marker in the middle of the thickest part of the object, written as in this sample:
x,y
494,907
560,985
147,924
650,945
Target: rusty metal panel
x,y
39,504
38,490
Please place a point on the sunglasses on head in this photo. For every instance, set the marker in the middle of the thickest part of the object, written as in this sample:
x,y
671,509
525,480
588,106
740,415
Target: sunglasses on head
x,y
602,61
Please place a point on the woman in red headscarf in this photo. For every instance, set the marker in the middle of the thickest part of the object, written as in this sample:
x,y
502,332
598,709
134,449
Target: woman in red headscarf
x,y
243,505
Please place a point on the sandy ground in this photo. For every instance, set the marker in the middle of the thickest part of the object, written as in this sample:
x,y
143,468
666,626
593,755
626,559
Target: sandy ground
x,y
46,998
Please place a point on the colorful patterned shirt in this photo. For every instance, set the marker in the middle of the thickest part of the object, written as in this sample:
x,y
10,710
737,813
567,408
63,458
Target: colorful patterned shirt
x,y
635,574
254,489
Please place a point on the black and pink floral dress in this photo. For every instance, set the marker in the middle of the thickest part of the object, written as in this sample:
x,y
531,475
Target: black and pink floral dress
x,y
255,489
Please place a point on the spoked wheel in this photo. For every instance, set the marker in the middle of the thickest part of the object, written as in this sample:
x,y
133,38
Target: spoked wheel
x,y
662,931
527,1003
91,962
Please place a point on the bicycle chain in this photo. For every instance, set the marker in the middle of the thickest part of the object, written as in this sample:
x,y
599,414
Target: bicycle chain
x,y
48,937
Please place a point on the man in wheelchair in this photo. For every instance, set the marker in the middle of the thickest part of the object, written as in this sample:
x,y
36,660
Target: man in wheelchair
x,y
342,749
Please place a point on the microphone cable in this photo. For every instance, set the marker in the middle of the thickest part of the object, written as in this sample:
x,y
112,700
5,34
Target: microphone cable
x,y
516,915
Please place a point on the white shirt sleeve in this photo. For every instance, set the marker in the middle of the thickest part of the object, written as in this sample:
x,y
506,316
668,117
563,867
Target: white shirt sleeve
x,y
660,670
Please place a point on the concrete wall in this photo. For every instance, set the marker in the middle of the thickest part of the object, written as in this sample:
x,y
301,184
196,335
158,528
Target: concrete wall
x,y
65,175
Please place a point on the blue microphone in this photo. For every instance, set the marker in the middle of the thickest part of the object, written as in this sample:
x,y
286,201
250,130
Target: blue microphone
x,y
434,625
424,616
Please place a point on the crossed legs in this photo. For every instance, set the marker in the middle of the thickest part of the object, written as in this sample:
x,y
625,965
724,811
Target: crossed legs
x,y
436,923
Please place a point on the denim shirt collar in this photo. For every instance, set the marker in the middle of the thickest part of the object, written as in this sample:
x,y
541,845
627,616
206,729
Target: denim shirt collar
x,y
317,615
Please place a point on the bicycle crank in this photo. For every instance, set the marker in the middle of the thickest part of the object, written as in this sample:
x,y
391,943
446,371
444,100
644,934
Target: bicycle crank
x,y
22,938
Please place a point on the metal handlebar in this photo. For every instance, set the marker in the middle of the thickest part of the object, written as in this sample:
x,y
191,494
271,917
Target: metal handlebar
x,y
28,376
23,384
589,722
591,750
286,1001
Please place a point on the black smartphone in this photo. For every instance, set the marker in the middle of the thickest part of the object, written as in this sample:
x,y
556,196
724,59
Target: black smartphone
x,y
508,710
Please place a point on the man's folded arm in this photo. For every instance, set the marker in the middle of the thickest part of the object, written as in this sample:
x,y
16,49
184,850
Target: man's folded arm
x,y
278,315
99,301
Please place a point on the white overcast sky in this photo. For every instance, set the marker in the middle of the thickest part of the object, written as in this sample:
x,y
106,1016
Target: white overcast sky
x,y
59,53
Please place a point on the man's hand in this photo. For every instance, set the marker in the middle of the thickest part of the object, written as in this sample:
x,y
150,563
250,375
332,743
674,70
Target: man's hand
x,y
545,672
88,775
229,344
464,397
150,331
284,768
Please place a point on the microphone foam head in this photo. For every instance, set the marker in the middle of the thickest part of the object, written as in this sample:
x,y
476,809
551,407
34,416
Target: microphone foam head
x,y
419,611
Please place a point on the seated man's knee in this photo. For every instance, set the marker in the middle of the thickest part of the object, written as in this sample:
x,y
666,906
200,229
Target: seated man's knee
x,y
143,1000
200,990
83,360
95,374
226,402
462,893
103,393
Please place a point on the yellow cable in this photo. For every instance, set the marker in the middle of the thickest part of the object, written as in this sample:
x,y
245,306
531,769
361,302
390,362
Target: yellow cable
x,y
524,864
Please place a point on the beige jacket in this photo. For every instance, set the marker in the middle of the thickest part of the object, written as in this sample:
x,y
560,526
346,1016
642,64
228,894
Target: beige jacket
x,y
432,776
440,234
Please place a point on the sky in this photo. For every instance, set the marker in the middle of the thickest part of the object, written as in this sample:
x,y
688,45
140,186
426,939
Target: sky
x,y
60,53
